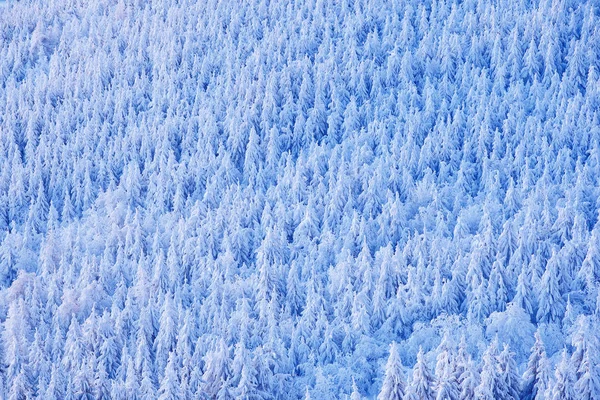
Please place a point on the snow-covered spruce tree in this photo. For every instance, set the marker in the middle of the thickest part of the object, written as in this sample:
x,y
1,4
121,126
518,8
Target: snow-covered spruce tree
x,y
510,380
550,301
492,385
445,372
170,387
394,383
355,395
564,379
422,383
536,377
588,384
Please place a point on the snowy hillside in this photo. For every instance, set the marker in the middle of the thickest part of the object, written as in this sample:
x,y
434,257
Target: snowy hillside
x,y
271,199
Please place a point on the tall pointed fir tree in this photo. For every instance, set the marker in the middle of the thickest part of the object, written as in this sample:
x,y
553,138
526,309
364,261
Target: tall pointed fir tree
x,y
564,379
355,395
587,386
421,386
510,380
536,377
490,386
394,384
550,301
170,386
216,370
445,372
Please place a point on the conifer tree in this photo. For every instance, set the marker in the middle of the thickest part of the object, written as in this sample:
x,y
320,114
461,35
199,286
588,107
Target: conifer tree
x,y
588,385
355,395
247,386
550,301
102,383
445,372
564,379
393,387
216,371
510,380
170,388
524,293
536,377
422,384
84,384
491,386
469,381
147,386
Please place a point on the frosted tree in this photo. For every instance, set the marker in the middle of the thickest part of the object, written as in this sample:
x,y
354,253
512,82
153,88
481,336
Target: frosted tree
x,y
588,384
497,288
507,241
167,334
550,301
21,388
479,306
524,295
247,387
422,384
216,371
393,387
469,381
510,380
101,384
491,385
84,384
74,346
355,395
147,386
536,377
241,358
564,379
170,388
445,372
132,386
590,268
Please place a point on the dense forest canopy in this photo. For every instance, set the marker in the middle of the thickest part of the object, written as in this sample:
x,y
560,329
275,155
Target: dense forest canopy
x,y
305,199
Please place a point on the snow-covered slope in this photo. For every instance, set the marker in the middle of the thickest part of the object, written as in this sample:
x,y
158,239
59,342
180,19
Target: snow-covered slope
x,y
277,200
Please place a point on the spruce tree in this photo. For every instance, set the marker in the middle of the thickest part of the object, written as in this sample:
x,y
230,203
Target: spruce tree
x,y
170,386
491,385
394,383
536,377
422,384
564,379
